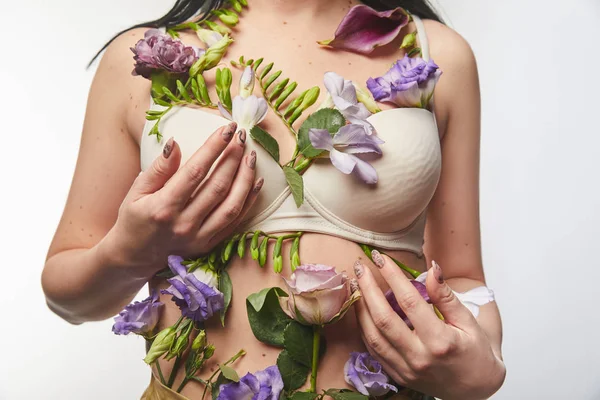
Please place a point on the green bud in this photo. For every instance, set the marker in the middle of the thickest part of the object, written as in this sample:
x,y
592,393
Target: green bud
x,y
285,94
209,351
181,343
302,165
295,261
364,97
409,40
183,91
200,341
278,89
294,253
223,30
229,19
254,245
262,252
278,245
266,70
203,89
161,344
212,57
244,3
247,82
295,103
309,99
278,264
236,5
242,246
271,79
229,249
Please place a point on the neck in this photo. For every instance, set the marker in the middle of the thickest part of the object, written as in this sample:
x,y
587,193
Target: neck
x,y
295,7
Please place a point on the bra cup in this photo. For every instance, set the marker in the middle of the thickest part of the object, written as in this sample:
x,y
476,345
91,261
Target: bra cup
x,y
408,170
190,128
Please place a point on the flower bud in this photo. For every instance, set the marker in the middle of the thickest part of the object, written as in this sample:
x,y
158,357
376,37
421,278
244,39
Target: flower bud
x,y
365,98
181,343
409,40
254,245
223,30
209,351
200,341
161,344
212,57
209,36
247,82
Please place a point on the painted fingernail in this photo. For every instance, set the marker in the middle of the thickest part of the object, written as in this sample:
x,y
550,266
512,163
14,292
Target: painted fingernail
x,y
251,160
241,136
168,148
437,272
359,269
353,285
259,184
229,131
377,258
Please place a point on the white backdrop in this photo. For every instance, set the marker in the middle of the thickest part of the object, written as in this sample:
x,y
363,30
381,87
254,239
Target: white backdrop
x,y
539,191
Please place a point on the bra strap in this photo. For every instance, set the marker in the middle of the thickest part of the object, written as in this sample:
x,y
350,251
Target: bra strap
x,y
422,37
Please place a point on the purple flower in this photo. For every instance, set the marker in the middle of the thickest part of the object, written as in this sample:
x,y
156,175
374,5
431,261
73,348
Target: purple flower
x,y
262,385
366,374
363,29
344,97
158,51
139,317
348,141
318,295
195,293
409,83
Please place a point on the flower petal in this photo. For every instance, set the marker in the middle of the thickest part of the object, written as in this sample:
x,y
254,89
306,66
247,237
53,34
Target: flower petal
x,y
365,171
363,29
320,139
224,112
342,161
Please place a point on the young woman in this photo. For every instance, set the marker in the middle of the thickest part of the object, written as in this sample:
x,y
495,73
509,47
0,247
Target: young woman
x,y
120,224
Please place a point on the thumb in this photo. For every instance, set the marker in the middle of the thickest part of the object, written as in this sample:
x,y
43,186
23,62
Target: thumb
x,y
160,171
444,298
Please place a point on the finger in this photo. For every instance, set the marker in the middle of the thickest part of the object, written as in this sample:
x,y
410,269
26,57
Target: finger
x,y
397,374
385,319
230,209
216,188
250,200
419,313
442,296
183,184
160,171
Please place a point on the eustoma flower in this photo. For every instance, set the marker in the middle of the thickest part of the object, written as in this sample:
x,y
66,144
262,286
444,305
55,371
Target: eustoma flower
x,y
343,94
139,317
160,52
348,141
318,295
409,83
195,293
262,385
366,374
363,29
247,110
209,36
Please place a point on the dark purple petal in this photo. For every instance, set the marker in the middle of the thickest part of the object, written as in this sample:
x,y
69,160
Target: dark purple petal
x,y
246,388
139,317
363,29
271,383
366,375
379,389
263,385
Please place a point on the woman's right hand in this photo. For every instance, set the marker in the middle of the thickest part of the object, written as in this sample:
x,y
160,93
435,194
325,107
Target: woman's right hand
x,y
185,211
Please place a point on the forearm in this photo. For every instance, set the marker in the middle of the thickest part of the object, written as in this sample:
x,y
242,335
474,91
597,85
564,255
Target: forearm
x,y
89,284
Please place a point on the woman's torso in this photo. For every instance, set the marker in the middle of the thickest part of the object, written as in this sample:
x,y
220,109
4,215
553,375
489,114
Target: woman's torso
x,y
292,48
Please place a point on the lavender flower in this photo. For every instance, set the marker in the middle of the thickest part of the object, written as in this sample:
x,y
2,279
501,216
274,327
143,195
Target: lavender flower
x,y
246,111
262,385
366,374
158,51
139,317
348,141
343,94
195,293
409,83
363,29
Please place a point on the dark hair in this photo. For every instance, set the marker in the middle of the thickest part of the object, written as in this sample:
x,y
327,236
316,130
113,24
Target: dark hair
x,y
186,9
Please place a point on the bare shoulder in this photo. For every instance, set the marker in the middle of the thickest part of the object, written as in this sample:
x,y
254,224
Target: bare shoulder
x,y
114,79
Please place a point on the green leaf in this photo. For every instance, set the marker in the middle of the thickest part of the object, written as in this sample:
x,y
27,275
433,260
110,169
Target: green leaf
x,y
266,141
229,373
267,319
344,394
298,341
155,131
294,180
303,396
293,374
225,287
326,118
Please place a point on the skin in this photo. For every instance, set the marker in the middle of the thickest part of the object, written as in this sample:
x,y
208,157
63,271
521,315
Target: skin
x,y
94,267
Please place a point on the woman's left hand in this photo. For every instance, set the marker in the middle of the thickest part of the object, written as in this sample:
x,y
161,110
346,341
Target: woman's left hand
x,y
450,359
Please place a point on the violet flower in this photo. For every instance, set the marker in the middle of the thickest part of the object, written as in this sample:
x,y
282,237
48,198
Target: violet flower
x,y
348,141
409,83
158,51
262,385
343,94
139,317
318,295
363,29
366,374
195,293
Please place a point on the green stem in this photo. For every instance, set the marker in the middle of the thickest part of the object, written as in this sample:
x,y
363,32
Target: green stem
x,y
280,115
232,359
199,380
174,372
315,358
183,383
160,374
412,272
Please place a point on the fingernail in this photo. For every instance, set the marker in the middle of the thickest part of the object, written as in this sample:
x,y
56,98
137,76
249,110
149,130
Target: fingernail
x,y
359,269
259,184
242,136
228,131
168,148
353,285
251,160
378,258
437,272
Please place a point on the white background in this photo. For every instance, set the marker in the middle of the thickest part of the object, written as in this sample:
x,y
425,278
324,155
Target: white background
x,y
538,62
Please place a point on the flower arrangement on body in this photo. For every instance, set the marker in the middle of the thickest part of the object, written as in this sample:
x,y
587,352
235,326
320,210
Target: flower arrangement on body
x,y
339,130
